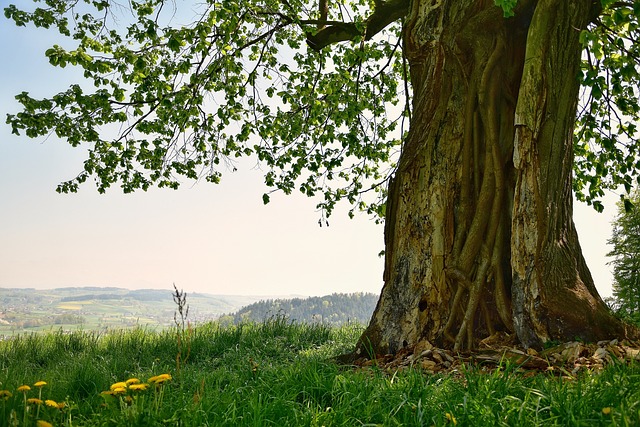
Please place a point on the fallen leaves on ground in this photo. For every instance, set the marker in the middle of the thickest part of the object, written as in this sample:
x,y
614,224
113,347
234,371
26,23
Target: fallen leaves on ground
x,y
565,359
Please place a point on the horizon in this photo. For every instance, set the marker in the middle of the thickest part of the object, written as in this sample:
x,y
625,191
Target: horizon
x,y
190,292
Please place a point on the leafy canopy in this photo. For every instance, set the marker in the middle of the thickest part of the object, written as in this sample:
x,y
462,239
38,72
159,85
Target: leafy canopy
x,y
316,94
606,137
169,100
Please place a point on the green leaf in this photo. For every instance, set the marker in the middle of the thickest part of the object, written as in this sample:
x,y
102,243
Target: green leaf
x,y
507,6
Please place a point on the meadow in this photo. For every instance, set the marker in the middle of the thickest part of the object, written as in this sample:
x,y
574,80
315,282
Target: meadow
x,y
279,373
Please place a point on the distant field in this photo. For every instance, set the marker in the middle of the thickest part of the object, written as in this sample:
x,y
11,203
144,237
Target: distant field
x,y
97,308
71,306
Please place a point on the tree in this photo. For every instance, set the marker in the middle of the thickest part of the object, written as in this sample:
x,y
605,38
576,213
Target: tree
x,y
477,203
626,263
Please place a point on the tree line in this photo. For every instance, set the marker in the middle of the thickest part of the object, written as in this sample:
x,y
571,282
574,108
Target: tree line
x,y
335,309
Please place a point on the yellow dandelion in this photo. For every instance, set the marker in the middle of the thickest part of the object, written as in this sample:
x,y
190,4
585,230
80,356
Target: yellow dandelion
x,y
132,381
40,384
119,390
5,394
24,388
118,385
160,378
62,405
606,410
128,400
51,403
138,387
43,423
34,400
451,418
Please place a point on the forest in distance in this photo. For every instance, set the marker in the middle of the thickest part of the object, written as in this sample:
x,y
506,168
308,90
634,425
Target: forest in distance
x,y
336,309
106,308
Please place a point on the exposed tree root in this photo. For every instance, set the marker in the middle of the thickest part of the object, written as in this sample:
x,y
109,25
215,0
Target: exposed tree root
x,y
476,269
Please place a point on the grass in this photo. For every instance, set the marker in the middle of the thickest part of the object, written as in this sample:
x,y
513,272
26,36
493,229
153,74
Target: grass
x,y
279,373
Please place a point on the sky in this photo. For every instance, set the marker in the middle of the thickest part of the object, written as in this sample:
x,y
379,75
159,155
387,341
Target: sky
x,y
216,239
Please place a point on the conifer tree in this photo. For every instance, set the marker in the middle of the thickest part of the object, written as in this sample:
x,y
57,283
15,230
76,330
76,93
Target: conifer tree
x,y
625,240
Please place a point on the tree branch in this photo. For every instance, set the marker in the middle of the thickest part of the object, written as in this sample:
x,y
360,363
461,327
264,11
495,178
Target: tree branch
x,y
384,14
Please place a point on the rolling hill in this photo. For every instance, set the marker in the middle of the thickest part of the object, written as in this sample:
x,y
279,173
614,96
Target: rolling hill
x,y
334,309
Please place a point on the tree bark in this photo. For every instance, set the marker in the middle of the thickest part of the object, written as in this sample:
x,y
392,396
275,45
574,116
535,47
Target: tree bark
x,y
479,234
554,295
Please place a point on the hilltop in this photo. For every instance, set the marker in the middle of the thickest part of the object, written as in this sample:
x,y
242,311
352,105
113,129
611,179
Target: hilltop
x,y
335,309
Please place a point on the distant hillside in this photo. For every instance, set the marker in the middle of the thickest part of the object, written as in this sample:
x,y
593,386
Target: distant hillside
x,y
141,295
334,309
100,308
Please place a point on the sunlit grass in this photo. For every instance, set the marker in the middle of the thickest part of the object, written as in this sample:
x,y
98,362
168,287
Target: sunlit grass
x,y
280,373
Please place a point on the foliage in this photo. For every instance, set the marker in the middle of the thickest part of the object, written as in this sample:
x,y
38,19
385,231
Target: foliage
x,y
334,309
607,152
236,80
625,240
169,93
507,6
277,373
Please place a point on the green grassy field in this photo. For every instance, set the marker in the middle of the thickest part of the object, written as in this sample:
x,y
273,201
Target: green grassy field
x,y
281,374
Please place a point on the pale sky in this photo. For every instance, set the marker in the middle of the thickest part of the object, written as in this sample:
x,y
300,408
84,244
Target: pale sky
x,y
218,239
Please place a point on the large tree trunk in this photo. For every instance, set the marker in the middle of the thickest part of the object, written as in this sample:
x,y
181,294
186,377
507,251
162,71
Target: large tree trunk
x,y
479,233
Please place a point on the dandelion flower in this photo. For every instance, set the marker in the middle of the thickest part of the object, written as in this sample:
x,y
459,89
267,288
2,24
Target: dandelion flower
x,y
132,381
5,394
61,405
24,388
118,385
43,423
51,403
34,400
450,418
138,387
40,384
119,390
160,378
606,410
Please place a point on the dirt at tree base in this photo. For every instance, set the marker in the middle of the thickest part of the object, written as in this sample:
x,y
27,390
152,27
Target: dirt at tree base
x,y
565,359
